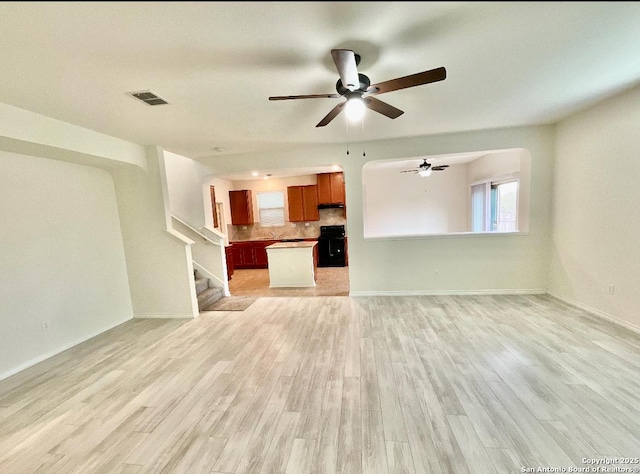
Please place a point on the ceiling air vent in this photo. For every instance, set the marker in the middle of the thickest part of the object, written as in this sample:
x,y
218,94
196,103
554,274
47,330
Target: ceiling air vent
x,y
149,98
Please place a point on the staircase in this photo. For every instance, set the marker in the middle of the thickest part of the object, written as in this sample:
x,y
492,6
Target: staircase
x,y
207,294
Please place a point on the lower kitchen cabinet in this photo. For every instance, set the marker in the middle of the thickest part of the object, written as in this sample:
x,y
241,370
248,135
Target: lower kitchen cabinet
x,y
251,254
260,253
229,256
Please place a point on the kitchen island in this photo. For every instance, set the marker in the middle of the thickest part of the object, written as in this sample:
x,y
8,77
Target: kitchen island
x,y
292,264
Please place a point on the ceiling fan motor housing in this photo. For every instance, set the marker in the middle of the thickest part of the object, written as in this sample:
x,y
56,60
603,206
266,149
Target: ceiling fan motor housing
x,y
364,85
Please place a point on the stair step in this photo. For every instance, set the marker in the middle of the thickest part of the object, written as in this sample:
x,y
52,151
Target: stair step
x,y
209,296
201,285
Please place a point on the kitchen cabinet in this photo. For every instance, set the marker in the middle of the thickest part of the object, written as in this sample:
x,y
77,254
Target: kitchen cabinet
x,y
229,256
242,254
330,188
303,203
346,253
251,254
260,253
241,204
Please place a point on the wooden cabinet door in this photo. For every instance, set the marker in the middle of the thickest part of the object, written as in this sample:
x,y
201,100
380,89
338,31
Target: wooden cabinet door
x,y
242,255
236,255
260,253
303,203
229,256
310,203
337,187
246,256
296,207
324,188
331,188
241,205
346,253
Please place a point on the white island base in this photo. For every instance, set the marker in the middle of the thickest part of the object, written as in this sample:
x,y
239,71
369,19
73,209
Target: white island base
x,y
291,264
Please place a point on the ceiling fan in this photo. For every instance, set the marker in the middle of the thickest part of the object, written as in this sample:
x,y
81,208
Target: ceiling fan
x,y
358,90
425,169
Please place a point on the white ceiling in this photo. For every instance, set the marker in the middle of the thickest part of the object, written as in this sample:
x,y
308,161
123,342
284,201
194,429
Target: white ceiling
x,y
216,63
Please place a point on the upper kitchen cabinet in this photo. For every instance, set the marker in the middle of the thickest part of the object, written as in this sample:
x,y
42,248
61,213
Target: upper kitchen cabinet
x,y
303,203
331,188
241,205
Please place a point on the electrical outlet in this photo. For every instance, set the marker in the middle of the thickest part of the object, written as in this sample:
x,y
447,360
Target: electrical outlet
x,y
45,325
436,273
306,224
611,289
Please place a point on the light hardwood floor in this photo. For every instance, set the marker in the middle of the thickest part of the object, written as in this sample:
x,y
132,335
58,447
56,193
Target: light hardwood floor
x,y
334,385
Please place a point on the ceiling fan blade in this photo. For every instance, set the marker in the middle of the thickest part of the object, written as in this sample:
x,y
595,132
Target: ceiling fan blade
x,y
345,61
310,96
409,171
382,107
331,115
439,168
418,79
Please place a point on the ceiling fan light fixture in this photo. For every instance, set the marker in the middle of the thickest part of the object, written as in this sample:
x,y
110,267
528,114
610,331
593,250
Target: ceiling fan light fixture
x,y
425,173
354,109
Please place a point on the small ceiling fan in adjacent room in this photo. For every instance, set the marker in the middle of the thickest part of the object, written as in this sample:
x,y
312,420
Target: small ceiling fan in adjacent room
x,y
357,89
425,169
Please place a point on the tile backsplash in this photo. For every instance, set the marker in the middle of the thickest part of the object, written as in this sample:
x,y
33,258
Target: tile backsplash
x,y
300,231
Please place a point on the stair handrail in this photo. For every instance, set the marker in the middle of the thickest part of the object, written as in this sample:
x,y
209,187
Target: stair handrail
x,y
195,231
215,235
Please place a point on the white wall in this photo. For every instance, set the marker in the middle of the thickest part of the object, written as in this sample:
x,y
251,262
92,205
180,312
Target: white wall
x,y
184,183
61,258
493,165
596,214
408,204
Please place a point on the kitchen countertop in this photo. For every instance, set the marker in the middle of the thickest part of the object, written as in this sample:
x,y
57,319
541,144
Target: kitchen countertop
x,y
291,245
266,239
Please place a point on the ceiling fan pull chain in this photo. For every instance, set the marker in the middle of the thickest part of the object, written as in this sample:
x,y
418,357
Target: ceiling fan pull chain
x,y
346,123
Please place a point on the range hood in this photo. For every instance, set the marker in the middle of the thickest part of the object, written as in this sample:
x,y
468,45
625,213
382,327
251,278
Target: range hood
x,y
331,206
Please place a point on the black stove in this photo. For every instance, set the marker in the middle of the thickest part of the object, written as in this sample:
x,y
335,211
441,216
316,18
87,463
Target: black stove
x,y
331,246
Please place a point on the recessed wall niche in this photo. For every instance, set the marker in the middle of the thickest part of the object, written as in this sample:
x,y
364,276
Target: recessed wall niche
x,y
483,192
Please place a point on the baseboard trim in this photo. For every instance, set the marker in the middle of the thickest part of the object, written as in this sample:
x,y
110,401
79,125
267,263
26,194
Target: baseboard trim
x,y
58,350
596,312
535,291
163,316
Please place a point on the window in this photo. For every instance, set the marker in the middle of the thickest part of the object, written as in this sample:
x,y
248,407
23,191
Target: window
x,y
271,208
494,206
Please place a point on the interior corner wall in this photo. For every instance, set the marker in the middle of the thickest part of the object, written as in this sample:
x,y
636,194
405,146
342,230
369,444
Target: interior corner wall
x,y
596,218
62,262
159,265
184,183
407,204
